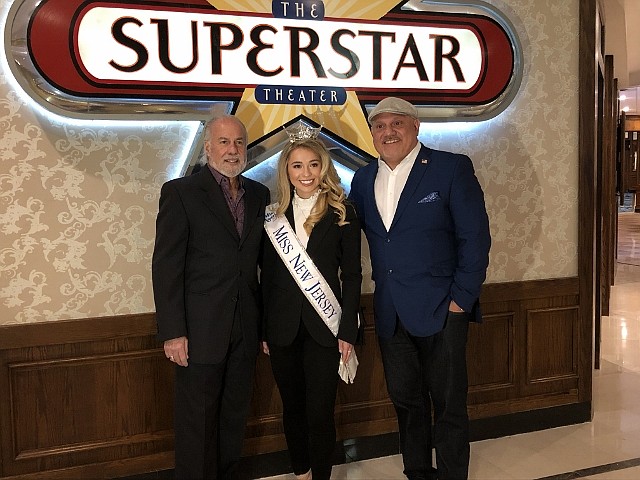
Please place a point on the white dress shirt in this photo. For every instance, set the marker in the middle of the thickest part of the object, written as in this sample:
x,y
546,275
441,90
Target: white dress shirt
x,y
301,209
390,183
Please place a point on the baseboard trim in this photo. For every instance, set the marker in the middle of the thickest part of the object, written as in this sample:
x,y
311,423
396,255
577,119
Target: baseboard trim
x,y
529,421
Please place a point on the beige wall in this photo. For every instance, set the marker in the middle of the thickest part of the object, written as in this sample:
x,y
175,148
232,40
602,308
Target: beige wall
x,y
78,201
614,17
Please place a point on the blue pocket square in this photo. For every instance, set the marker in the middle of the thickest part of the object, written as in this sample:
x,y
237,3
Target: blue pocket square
x,y
432,197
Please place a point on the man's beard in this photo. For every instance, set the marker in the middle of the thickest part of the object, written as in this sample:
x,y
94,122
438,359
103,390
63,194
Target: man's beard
x,y
232,169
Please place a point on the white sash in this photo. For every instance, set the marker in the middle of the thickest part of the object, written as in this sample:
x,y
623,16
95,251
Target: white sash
x,y
302,269
309,279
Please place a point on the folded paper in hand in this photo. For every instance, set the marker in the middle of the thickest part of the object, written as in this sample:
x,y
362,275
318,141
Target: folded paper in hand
x,y
347,371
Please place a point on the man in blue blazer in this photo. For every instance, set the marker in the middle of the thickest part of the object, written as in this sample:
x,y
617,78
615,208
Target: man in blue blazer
x,y
424,217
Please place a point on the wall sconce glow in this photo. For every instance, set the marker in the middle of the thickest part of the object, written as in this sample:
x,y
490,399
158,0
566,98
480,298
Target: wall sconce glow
x,y
623,330
346,175
428,129
622,97
449,127
625,109
188,149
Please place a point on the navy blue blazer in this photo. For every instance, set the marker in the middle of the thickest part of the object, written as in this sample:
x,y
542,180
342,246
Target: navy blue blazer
x,y
437,248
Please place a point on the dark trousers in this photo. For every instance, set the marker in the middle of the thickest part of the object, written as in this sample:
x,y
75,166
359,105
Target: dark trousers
x,y
307,377
211,408
421,371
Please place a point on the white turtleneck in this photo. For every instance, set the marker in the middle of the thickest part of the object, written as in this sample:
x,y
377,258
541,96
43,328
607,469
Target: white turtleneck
x,y
301,209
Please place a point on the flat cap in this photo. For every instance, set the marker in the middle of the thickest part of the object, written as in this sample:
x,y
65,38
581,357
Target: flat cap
x,y
393,105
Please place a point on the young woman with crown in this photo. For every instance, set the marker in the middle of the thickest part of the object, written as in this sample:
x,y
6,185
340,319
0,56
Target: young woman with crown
x,y
311,278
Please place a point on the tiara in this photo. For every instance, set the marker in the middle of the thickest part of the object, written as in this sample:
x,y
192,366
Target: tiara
x,y
302,132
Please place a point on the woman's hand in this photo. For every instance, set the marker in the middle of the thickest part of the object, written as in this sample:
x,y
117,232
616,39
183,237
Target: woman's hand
x,y
345,350
265,347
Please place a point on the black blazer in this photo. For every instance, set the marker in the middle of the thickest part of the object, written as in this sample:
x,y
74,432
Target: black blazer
x,y
335,250
202,269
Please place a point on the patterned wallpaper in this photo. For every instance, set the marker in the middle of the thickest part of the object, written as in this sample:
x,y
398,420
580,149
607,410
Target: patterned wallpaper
x,y
527,158
78,201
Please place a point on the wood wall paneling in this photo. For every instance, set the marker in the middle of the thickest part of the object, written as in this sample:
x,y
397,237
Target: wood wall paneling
x,y
77,403
608,199
490,353
589,30
552,345
94,397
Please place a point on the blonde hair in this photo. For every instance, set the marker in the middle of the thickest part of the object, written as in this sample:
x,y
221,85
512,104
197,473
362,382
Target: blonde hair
x,y
331,193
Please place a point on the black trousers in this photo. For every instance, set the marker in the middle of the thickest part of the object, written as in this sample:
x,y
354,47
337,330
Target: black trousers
x,y
211,408
421,371
307,377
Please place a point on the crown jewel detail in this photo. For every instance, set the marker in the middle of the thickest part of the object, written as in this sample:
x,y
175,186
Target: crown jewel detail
x,y
302,132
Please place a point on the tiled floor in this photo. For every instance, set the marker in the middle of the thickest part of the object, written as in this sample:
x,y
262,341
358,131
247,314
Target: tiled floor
x,y
629,238
608,448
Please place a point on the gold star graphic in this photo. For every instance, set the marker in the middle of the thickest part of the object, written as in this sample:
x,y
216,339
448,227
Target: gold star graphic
x,y
348,120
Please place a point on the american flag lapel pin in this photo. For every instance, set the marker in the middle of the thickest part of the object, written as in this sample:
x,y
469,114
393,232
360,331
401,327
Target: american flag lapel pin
x,y
425,161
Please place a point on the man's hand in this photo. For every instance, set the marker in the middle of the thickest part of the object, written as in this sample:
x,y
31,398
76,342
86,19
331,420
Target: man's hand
x,y
453,307
177,350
